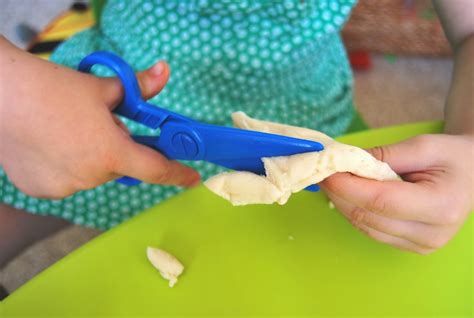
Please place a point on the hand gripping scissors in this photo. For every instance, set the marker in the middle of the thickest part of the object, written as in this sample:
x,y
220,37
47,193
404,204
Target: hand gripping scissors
x,y
182,138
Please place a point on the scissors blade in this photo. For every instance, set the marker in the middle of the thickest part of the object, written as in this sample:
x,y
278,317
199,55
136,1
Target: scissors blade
x,y
231,145
233,148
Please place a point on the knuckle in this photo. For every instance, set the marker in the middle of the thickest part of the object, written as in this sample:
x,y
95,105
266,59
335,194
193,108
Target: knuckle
x,y
357,216
378,203
379,152
162,173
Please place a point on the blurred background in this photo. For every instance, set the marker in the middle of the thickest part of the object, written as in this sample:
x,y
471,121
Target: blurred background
x,y
402,69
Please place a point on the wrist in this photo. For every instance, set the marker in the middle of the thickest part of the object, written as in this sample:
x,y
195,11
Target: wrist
x,y
459,110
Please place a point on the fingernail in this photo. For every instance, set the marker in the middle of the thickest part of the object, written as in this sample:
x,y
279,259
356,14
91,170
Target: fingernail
x,y
157,69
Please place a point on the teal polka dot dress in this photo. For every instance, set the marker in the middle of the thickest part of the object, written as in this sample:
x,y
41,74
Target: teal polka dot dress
x,y
275,60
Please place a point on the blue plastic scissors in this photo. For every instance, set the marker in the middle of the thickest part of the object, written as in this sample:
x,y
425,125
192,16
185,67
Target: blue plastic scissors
x,y
182,138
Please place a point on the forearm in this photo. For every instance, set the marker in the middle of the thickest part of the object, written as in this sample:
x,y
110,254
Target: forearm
x,y
459,110
457,17
17,70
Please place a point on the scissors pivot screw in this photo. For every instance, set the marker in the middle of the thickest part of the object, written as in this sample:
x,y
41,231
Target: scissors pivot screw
x,y
184,143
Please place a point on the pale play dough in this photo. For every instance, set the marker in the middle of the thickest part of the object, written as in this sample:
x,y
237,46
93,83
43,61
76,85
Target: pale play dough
x,y
168,266
229,186
290,174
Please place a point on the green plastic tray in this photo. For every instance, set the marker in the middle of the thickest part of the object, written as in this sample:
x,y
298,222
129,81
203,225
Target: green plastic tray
x,y
240,261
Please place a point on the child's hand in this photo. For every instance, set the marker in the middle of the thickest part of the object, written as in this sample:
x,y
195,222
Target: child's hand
x,y
421,213
58,134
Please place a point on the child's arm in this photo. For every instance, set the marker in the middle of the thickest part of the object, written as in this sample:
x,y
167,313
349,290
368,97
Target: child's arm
x,y
458,21
58,134
422,213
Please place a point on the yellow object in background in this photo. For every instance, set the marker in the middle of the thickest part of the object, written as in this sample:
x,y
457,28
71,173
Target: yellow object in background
x,y
59,30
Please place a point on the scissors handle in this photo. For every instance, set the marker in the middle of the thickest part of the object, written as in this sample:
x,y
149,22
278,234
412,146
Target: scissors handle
x,y
132,106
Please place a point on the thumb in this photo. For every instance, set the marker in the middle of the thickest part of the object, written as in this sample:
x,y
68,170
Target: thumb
x,y
143,163
414,154
151,82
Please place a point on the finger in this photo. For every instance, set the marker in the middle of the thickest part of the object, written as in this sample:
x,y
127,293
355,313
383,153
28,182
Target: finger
x,y
397,242
411,155
154,79
393,199
151,82
428,236
356,218
148,165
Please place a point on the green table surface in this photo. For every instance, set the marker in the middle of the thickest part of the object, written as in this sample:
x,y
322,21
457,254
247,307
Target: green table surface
x,y
240,261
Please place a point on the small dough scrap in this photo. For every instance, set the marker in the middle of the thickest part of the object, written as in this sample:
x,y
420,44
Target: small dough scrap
x,y
168,266
331,205
289,174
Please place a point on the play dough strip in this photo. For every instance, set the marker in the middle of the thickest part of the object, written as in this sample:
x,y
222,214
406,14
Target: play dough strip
x,y
168,266
290,174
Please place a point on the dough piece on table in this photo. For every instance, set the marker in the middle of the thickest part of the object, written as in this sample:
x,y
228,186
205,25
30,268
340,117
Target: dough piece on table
x,y
290,174
168,266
